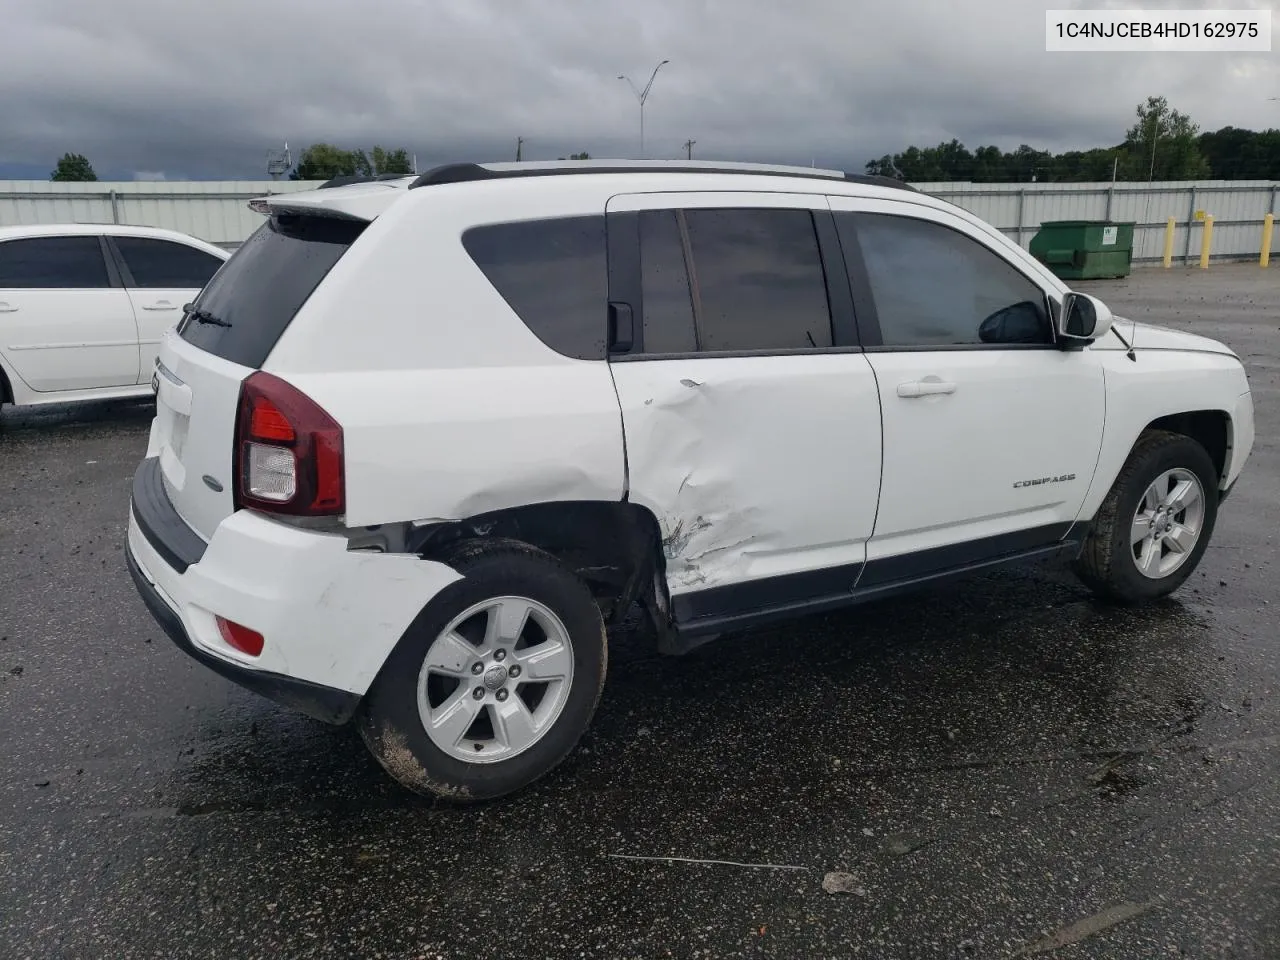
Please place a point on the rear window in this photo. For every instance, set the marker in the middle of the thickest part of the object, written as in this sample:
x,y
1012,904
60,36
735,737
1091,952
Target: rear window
x,y
250,302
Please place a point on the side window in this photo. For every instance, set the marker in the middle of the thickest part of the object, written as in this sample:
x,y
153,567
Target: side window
x,y
57,263
163,263
554,275
758,282
933,286
664,285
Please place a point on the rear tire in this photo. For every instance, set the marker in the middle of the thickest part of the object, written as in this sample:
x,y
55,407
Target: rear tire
x,y
6,391
494,682
1155,524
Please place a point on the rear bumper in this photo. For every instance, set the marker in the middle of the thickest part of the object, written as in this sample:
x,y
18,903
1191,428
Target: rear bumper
x,y
330,616
322,703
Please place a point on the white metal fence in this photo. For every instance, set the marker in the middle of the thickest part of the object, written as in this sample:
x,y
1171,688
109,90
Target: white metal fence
x,y
1237,208
218,211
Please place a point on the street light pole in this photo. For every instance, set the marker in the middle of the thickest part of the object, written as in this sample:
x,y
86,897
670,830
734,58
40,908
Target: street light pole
x,y
642,96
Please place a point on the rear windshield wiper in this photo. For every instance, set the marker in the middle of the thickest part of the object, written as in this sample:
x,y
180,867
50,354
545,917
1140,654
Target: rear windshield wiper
x,y
204,316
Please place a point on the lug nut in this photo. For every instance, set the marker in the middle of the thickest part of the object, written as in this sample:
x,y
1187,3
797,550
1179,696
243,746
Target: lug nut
x,y
514,671
477,668
501,694
500,655
478,693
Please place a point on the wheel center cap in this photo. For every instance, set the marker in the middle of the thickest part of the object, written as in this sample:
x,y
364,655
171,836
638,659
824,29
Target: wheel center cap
x,y
495,677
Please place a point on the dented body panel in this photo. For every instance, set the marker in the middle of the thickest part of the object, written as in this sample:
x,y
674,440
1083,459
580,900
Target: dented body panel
x,y
753,469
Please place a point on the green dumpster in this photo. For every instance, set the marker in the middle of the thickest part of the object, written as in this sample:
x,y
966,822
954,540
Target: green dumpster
x,y
1084,249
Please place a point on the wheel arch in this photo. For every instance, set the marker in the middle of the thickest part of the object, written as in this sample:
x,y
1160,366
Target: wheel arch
x,y
1212,429
6,388
615,547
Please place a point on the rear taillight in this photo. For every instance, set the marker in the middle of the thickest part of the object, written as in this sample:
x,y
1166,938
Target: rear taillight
x,y
288,454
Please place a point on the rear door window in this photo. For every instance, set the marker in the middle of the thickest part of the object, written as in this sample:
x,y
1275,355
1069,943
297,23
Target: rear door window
x,y
57,263
758,280
163,263
249,304
732,280
664,285
553,274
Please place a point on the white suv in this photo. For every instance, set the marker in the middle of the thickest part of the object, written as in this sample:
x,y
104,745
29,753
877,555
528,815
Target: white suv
x,y
421,441
83,307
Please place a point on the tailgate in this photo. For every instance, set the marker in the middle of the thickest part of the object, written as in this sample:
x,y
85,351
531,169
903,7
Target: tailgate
x,y
197,395
223,338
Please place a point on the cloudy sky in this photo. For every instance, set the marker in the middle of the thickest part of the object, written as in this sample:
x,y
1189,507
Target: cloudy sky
x,y
202,90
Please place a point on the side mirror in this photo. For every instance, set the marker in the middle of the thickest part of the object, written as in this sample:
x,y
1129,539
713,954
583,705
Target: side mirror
x,y
1083,319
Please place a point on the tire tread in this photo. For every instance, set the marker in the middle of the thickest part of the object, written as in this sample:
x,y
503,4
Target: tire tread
x,y
1096,564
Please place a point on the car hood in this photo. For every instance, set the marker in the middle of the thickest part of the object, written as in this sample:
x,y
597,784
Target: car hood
x,y
1149,336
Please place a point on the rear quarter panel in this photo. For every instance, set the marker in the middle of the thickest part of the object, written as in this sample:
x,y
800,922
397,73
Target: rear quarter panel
x,y
449,444
450,406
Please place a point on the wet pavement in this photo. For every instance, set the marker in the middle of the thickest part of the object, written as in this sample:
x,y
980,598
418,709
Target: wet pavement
x,y
1004,766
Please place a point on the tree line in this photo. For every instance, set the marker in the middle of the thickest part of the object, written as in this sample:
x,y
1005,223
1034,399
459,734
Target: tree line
x,y
1164,144
320,161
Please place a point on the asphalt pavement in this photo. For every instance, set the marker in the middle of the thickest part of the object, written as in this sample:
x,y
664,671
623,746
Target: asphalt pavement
x,y
1000,768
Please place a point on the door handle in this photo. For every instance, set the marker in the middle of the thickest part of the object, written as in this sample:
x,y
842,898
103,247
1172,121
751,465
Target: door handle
x,y
621,327
159,305
6,308
925,388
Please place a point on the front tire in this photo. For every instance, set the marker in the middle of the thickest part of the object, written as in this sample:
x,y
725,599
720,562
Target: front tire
x,y
495,681
1154,526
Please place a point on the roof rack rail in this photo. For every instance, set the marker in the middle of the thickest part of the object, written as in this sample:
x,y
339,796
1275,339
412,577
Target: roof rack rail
x,y
360,178
469,172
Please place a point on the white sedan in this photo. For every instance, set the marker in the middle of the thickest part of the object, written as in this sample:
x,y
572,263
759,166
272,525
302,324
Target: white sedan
x,y
83,307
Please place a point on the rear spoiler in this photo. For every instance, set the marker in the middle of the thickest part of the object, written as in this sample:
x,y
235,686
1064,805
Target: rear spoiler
x,y
344,181
348,198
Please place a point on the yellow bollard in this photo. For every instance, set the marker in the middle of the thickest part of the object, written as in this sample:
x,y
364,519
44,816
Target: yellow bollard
x,y
1206,238
1168,243
1268,224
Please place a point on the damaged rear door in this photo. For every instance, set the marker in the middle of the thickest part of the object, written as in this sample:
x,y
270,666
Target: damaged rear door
x,y
751,415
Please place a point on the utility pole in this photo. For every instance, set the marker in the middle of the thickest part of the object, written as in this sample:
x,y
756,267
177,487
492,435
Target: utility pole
x,y
642,96
519,147
688,149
